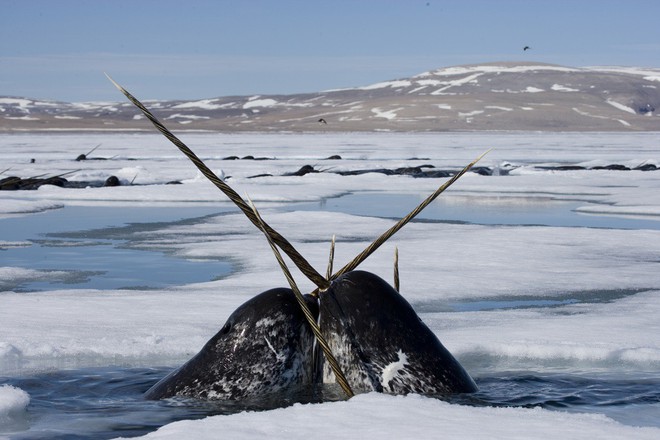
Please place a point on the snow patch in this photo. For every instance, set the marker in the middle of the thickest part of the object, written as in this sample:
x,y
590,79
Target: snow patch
x,y
497,107
560,88
13,407
206,104
385,84
387,114
648,74
472,113
267,102
620,106
22,118
182,116
417,89
380,416
16,101
449,84
462,70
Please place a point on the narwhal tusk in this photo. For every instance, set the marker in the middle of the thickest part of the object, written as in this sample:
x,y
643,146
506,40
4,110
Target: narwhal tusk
x,y
331,258
334,365
304,266
397,281
401,223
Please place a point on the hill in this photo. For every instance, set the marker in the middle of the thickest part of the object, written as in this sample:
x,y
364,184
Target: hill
x,y
493,96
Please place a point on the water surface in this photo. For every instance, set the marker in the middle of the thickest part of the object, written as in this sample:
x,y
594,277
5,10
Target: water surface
x,y
103,403
94,245
96,248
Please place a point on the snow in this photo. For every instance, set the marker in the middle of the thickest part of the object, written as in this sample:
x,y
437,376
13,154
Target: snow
x,y
647,73
13,406
387,114
22,118
266,102
468,114
560,88
494,68
392,84
15,101
612,274
182,116
378,416
620,106
458,82
206,104
22,103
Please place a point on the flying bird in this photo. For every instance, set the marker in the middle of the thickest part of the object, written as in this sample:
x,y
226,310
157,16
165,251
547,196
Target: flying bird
x,y
526,48
322,121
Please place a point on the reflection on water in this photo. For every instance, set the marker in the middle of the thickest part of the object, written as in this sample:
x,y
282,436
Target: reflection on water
x,y
526,211
524,302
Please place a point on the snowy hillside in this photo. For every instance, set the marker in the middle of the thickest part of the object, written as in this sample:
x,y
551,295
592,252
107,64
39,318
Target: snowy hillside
x,y
494,96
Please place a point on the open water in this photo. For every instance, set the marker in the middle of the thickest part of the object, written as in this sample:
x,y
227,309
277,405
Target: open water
x,y
103,403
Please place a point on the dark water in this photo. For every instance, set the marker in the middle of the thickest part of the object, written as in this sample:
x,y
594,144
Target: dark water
x,y
630,401
104,403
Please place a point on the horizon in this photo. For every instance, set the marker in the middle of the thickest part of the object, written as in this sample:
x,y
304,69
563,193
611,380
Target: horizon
x,y
168,50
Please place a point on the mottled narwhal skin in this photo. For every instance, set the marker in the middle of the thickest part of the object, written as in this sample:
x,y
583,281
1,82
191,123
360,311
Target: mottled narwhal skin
x,y
265,347
382,344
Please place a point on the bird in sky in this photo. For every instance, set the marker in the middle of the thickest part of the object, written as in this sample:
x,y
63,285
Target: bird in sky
x,y
526,48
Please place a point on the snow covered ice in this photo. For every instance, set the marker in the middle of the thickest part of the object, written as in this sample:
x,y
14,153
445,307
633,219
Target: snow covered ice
x,y
466,279
13,404
382,416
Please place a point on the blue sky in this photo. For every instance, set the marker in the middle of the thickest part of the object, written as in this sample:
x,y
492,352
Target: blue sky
x,y
187,49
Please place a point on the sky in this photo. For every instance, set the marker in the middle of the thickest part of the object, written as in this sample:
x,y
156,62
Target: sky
x,y
191,49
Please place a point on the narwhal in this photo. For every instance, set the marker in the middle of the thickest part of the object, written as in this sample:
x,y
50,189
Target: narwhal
x,y
370,337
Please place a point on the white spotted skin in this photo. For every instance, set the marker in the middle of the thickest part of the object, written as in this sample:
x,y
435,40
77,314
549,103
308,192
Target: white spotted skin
x,y
382,344
395,370
264,348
